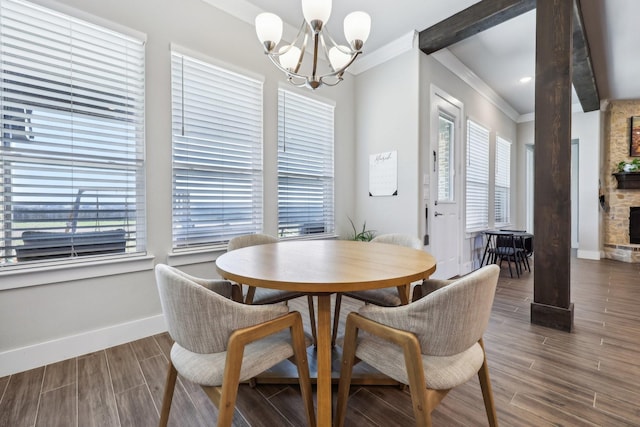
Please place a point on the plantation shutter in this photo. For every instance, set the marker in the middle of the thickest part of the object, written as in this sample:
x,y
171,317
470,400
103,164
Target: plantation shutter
x,y
305,166
477,170
72,152
217,153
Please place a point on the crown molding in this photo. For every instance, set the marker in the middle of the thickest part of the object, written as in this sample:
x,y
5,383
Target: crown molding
x,y
450,61
397,47
247,12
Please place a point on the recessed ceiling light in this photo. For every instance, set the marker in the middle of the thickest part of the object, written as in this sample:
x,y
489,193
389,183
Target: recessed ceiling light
x,y
525,79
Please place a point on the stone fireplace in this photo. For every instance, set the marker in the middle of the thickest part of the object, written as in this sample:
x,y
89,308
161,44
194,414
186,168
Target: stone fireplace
x,y
622,206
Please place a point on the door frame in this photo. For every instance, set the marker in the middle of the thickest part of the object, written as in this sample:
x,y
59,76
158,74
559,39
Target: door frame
x,y
438,96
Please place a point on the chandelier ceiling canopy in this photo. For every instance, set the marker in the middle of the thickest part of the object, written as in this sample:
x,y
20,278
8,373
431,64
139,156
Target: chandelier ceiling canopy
x,y
313,36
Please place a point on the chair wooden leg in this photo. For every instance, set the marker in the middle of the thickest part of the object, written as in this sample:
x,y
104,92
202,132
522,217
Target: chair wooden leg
x,y
487,393
230,382
300,353
348,358
170,385
250,294
417,385
336,320
312,320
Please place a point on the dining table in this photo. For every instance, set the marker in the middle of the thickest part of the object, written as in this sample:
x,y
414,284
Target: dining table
x,y
322,268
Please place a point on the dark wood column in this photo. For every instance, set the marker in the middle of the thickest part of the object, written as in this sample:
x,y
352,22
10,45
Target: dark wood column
x,y
552,305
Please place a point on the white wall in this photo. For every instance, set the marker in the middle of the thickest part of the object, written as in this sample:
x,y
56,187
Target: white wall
x,y
58,314
387,119
587,128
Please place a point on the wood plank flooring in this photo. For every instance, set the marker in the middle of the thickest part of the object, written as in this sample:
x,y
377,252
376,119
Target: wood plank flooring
x,y
540,376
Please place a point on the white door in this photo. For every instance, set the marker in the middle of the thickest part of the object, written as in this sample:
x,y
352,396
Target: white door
x,y
444,206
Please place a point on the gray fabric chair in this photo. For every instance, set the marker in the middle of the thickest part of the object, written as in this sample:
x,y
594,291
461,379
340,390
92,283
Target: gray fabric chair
x,y
385,297
264,295
433,344
220,342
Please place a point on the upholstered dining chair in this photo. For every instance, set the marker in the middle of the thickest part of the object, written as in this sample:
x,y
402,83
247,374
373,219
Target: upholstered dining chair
x,y
386,297
220,342
258,296
433,344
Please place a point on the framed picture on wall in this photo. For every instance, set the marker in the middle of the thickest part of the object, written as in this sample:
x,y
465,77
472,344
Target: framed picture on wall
x,y
634,137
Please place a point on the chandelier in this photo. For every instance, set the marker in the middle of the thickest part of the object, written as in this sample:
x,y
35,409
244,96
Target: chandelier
x,y
313,36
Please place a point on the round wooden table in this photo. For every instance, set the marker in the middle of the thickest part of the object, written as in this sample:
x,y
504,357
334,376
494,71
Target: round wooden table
x,y
323,267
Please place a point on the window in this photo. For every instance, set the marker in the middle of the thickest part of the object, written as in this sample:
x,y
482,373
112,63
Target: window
x,y
503,182
217,153
477,196
445,158
72,152
305,166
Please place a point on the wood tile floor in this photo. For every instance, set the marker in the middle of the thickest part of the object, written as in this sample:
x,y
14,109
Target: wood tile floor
x,y
540,376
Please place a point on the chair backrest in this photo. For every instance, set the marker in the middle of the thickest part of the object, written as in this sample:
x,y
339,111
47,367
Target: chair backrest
x,y
454,317
399,239
250,240
201,320
448,320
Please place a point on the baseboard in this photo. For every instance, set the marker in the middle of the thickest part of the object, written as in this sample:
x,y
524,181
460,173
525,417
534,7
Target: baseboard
x,y
33,356
595,255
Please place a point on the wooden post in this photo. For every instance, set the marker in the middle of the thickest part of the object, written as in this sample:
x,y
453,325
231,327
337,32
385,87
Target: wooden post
x,y
552,197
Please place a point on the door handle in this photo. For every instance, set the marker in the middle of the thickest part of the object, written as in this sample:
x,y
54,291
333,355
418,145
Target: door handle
x,y
436,213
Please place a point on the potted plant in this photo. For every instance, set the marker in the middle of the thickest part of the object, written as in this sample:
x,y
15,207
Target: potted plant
x,y
364,235
628,174
632,166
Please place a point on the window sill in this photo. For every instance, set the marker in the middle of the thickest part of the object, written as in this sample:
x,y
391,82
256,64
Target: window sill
x,y
195,256
66,271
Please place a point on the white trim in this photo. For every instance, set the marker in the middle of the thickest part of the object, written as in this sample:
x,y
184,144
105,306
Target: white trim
x,y
247,12
76,13
595,255
450,61
241,9
33,356
385,53
178,257
74,269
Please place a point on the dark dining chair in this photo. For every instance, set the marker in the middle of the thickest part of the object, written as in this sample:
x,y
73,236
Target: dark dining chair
x,y
508,247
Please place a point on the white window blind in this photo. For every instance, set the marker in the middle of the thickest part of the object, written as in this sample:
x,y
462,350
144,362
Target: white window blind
x,y
72,152
477,170
217,153
305,166
503,182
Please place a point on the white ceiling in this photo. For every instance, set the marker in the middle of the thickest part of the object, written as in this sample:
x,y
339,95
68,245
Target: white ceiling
x,y
501,55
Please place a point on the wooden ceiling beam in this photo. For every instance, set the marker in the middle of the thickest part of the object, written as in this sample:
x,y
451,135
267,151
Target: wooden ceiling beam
x,y
470,21
583,78
489,13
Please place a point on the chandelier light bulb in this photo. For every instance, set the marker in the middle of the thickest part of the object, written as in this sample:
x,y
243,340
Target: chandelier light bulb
x,y
338,57
269,29
316,12
357,26
289,58
313,59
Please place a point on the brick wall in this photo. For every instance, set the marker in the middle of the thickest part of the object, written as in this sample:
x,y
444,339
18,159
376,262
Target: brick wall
x,y
617,123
